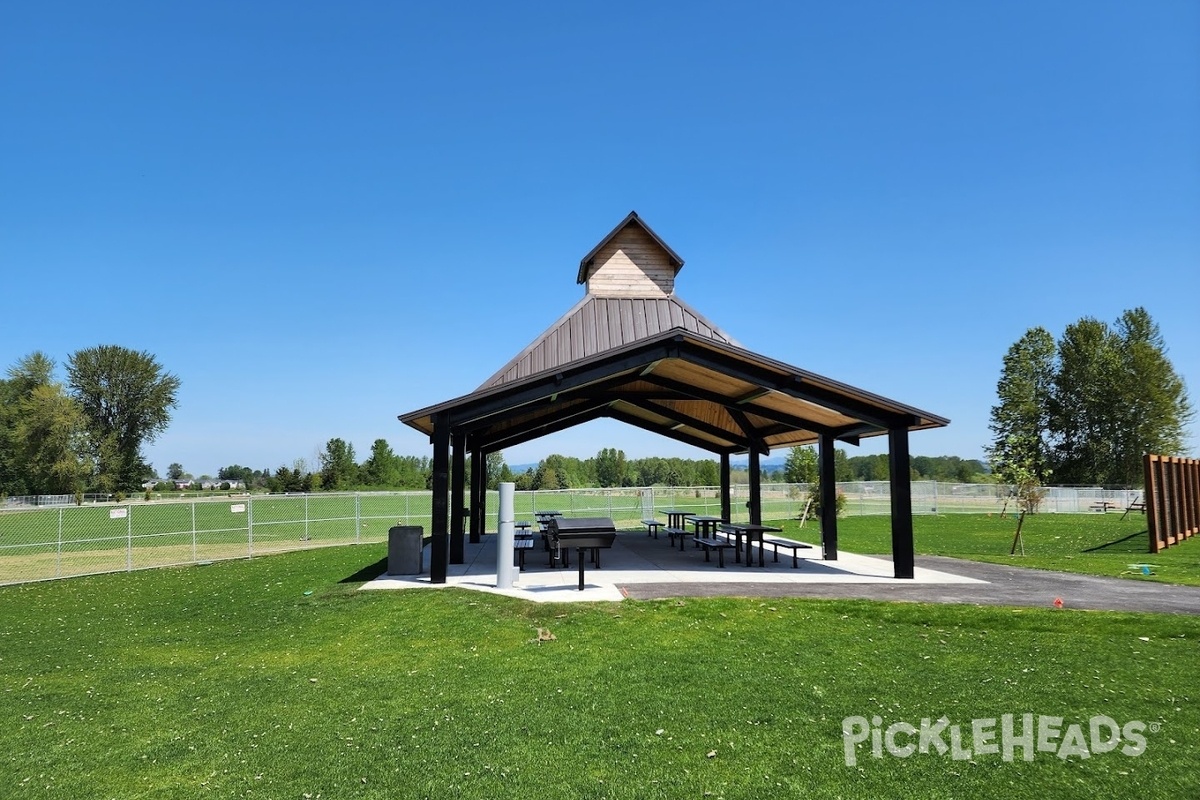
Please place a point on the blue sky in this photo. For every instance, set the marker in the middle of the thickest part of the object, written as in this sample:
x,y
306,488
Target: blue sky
x,y
322,215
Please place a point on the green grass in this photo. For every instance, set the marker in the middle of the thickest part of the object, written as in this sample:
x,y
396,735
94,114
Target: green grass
x,y
276,678
1091,544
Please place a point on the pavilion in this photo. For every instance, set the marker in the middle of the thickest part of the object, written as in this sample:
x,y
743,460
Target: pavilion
x,y
632,350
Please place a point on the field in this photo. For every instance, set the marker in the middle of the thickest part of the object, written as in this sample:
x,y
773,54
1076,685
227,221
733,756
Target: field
x,y
36,544
276,678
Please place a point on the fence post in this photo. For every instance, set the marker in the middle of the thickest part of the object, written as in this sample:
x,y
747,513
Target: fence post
x,y
129,538
249,530
357,518
58,560
193,505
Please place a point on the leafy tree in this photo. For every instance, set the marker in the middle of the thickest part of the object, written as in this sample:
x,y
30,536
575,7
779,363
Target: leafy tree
x,y
236,472
175,472
801,466
707,473
50,435
1021,419
338,467
493,467
127,399
610,466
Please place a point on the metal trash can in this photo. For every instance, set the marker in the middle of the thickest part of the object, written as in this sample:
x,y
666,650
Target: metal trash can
x,y
404,550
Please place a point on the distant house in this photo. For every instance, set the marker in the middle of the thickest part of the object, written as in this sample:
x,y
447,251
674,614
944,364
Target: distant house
x,y
219,483
183,484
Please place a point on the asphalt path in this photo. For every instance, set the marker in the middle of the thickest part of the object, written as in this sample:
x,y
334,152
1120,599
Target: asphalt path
x,y
1006,586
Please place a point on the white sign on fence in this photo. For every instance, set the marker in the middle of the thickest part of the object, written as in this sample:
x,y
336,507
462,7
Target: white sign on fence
x,y
238,508
118,513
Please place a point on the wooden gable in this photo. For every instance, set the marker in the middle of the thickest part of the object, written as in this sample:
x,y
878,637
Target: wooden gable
x,y
632,261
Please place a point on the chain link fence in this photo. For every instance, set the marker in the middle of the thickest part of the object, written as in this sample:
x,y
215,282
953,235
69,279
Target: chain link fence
x,y
44,539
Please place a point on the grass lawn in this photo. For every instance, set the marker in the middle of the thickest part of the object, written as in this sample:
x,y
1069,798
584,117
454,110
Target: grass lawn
x,y
276,678
1092,544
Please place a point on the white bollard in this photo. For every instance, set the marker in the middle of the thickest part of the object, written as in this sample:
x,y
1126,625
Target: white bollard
x,y
504,541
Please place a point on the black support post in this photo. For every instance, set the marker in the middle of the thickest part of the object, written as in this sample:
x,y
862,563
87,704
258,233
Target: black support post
x,y
478,492
458,482
828,475
439,544
755,491
726,504
901,488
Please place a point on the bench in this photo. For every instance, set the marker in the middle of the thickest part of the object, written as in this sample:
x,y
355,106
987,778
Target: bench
x,y
1102,506
1136,505
652,526
795,546
673,532
521,543
709,545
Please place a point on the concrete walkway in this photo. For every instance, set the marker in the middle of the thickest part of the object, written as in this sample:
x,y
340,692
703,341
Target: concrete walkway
x,y
642,567
994,584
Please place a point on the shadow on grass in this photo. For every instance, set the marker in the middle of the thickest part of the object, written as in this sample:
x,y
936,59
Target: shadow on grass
x,y
367,573
1114,543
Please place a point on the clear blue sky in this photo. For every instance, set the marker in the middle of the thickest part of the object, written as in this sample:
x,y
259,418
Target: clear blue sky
x,y
322,215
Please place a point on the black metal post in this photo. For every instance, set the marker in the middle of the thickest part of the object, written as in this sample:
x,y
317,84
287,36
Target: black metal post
x,y
903,557
828,475
458,482
726,504
439,545
478,492
755,489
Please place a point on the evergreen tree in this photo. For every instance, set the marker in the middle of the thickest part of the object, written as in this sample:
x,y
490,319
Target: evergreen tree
x,y
1020,422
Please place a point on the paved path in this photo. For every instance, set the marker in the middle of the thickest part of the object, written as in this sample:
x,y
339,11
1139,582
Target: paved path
x,y
1006,586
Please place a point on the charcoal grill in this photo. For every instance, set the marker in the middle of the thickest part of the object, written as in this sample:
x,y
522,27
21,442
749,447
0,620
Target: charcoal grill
x,y
582,534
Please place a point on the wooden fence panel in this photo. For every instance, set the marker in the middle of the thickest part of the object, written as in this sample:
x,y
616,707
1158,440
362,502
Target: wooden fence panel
x,y
1172,499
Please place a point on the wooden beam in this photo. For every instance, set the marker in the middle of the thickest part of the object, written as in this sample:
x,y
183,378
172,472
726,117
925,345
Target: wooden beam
x,y
795,387
638,422
471,411
511,438
686,392
753,437
690,421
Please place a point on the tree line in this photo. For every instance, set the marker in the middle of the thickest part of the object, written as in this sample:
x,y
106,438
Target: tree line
x,y
1086,408
84,433
336,469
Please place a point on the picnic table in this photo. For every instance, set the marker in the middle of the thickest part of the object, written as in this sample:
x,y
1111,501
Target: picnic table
x,y
752,532
675,517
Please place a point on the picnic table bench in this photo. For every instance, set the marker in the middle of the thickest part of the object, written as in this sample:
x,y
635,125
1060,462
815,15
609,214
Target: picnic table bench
x,y
720,545
674,532
1103,506
652,526
796,547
